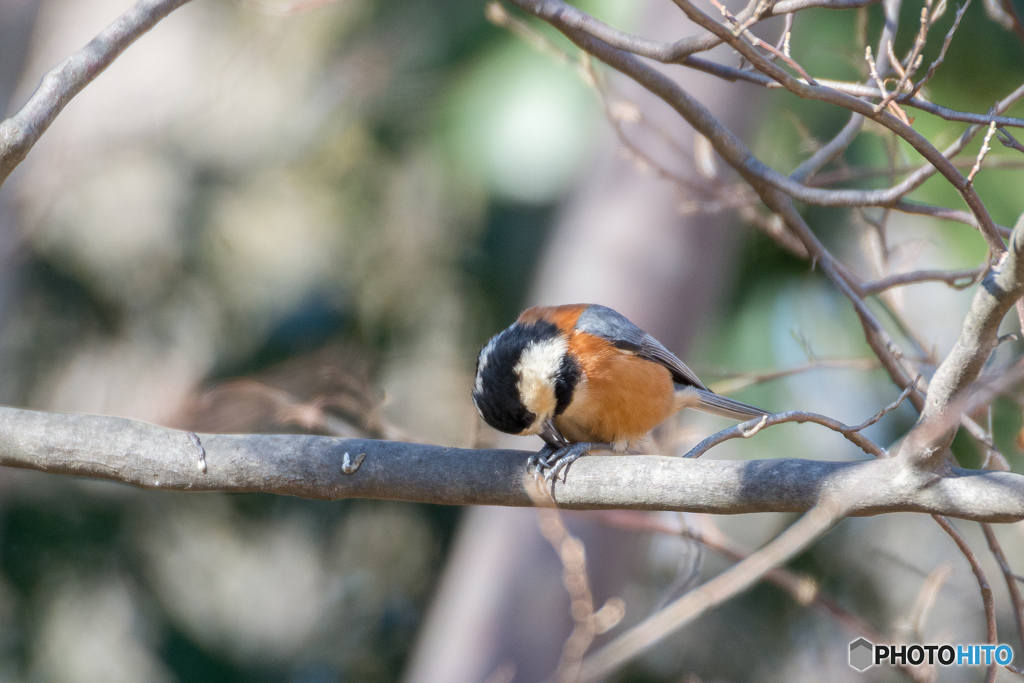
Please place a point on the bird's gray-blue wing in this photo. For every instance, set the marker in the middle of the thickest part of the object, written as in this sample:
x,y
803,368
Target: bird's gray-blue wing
x,y
603,322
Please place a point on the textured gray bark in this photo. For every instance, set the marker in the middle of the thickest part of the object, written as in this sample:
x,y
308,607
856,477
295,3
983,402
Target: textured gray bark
x,y
154,457
953,380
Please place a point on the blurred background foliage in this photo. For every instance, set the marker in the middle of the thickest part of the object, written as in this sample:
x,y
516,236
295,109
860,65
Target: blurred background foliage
x,y
310,221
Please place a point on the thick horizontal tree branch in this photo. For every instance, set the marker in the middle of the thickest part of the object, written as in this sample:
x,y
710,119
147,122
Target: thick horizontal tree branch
x,y
19,133
329,468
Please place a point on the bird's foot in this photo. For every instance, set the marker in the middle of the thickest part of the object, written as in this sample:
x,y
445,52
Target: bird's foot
x,y
550,461
540,461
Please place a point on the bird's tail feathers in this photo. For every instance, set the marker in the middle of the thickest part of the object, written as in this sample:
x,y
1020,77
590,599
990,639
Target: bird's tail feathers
x,y
710,402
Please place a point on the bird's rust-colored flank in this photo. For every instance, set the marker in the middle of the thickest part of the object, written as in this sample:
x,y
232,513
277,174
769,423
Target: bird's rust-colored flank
x,y
621,398
564,317
585,378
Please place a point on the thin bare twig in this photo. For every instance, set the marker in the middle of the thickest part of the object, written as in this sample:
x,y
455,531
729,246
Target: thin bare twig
x,y
587,624
826,94
926,598
786,35
748,429
991,634
729,583
743,30
1011,584
982,152
888,97
745,430
749,379
682,51
804,590
957,279
1010,141
942,53
855,89
835,147
913,60
865,173
1014,669
965,217
570,20
496,13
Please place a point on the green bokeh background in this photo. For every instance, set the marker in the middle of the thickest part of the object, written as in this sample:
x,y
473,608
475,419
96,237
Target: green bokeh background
x,y
417,199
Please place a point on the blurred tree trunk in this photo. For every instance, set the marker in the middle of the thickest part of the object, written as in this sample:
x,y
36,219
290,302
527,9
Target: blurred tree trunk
x,y
17,18
17,21
621,242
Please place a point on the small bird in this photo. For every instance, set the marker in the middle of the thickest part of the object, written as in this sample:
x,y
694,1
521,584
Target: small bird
x,y
585,378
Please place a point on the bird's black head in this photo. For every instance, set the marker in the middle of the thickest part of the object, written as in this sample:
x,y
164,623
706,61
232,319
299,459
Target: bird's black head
x,y
524,376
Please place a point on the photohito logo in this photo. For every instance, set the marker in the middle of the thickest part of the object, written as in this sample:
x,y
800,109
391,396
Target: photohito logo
x,y
865,654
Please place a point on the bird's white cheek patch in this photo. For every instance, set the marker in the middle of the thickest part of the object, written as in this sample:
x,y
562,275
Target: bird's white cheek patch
x,y
537,370
485,354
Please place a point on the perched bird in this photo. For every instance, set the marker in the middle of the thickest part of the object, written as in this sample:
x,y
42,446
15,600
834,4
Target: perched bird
x,y
585,378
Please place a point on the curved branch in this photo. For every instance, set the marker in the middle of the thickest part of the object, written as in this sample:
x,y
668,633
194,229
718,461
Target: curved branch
x,y
826,94
677,52
568,20
733,74
20,133
999,290
802,588
762,178
991,633
842,175
682,51
698,601
944,213
957,279
328,468
745,430
834,148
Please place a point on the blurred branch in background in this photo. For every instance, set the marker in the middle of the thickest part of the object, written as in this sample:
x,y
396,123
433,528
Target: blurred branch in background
x,y
801,587
693,604
926,448
19,133
416,243
327,392
620,239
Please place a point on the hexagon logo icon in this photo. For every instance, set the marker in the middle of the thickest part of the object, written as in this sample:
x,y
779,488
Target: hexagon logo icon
x,y
861,654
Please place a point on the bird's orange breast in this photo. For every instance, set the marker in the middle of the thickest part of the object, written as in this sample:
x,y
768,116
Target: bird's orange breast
x,y
621,399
